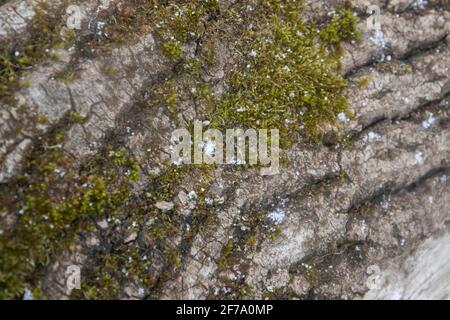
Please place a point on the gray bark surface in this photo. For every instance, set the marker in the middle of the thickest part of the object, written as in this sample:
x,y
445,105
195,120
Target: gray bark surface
x,y
365,219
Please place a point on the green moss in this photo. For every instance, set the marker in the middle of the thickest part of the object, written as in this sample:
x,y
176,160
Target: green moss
x,y
342,27
172,49
394,67
53,202
23,84
275,234
223,261
163,256
44,34
168,94
69,36
75,117
110,70
251,229
182,22
175,259
292,84
66,74
42,119
364,82
288,78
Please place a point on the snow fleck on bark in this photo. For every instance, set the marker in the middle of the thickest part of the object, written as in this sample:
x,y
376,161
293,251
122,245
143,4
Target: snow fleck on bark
x,y
277,216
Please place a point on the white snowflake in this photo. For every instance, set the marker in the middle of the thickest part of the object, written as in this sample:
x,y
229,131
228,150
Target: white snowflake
x,y
419,157
378,38
342,117
277,216
420,4
192,195
372,136
28,295
428,122
99,27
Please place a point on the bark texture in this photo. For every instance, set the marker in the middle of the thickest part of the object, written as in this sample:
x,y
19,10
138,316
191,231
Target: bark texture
x,y
362,213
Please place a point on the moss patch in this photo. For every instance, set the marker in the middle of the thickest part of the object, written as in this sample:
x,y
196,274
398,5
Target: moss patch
x,y
288,77
43,36
50,204
155,256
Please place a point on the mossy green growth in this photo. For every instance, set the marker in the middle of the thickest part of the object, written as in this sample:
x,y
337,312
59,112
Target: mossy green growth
x,y
110,70
364,82
42,119
44,34
75,117
66,74
342,27
172,49
175,22
223,261
52,202
289,76
184,20
154,257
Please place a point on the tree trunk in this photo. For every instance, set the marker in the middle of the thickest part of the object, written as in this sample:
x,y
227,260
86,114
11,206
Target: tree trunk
x,y
360,207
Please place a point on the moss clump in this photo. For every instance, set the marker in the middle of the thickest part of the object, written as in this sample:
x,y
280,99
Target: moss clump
x,y
110,70
288,78
66,74
364,82
75,117
342,27
287,71
155,257
42,119
394,67
44,34
53,201
172,49
223,261
168,95
183,21
287,74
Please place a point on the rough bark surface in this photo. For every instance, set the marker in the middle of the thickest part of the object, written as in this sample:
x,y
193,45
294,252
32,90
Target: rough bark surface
x,y
362,213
